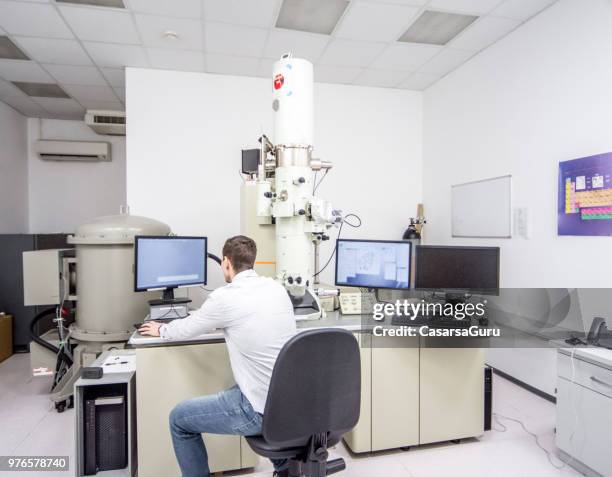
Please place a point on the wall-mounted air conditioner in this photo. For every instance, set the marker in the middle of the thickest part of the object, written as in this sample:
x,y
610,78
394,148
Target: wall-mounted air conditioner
x,y
111,123
83,151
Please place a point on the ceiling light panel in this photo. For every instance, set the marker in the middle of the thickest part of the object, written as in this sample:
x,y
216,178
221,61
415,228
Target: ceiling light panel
x,y
476,7
94,24
315,16
375,21
51,50
41,90
169,8
303,45
258,13
32,19
96,3
437,28
351,53
484,32
8,50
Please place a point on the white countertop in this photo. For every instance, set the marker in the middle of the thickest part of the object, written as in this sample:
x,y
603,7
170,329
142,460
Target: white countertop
x,y
592,354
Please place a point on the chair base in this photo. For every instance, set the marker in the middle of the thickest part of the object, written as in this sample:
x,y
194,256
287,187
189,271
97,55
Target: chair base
x,y
315,469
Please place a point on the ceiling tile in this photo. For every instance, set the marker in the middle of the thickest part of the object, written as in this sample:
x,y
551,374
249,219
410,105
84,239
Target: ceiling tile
x,y
62,108
315,16
25,106
419,81
447,60
183,9
176,59
375,21
303,45
351,53
96,24
106,54
115,76
521,9
103,105
336,74
483,33
266,65
381,78
16,70
477,7
86,93
8,89
152,29
49,50
231,65
32,19
120,92
84,75
234,40
405,56
241,12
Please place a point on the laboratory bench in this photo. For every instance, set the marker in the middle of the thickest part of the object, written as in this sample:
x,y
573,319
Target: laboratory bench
x,y
413,392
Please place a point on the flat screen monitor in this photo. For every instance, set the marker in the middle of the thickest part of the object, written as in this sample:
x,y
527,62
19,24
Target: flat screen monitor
x,y
373,263
167,262
457,269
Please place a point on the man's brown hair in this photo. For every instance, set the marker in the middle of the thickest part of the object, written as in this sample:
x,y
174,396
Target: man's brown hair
x,y
241,251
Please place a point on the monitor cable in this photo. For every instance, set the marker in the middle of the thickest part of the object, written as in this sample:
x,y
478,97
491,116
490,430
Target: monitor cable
x,y
344,221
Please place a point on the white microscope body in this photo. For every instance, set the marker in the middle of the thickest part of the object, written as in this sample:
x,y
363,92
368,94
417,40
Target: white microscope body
x,y
285,189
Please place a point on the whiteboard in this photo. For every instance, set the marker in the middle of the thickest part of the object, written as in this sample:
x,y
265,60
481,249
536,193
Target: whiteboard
x,y
482,208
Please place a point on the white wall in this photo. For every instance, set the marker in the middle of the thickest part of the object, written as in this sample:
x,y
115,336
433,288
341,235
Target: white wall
x,y
186,131
13,171
539,96
63,195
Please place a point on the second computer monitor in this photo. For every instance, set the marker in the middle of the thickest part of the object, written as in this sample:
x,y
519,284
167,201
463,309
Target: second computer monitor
x,y
457,269
373,263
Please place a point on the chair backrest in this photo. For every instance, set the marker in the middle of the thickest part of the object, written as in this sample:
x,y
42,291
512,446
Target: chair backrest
x,y
315,388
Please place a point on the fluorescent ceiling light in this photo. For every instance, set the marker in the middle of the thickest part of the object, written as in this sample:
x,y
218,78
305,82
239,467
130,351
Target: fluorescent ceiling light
x,y
96,3
315,16
10,51
437,28
41,90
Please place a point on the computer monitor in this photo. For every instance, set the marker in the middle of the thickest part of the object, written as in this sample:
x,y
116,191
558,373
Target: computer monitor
x,y
169,262
373,263
457,269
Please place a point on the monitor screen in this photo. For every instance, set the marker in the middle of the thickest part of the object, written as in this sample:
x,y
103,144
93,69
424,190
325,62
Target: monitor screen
x,y
471,269
169,262
373,263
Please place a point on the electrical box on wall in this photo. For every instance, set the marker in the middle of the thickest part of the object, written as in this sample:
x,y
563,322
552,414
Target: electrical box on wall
x,y
522,222
48,276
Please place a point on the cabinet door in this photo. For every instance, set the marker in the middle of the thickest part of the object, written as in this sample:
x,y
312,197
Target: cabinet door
x,y
395,392
360,438
167,375
584,421
452,394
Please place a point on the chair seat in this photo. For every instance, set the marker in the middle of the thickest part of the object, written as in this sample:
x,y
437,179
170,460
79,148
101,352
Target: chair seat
x,y
263,448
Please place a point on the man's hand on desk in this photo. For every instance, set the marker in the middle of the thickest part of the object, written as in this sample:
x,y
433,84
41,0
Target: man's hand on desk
x,y
150,328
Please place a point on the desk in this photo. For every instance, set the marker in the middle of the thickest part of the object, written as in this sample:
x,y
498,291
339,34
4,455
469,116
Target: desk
x,y
410,394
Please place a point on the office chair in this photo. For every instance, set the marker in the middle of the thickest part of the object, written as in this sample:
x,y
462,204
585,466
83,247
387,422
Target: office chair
x,y
314,398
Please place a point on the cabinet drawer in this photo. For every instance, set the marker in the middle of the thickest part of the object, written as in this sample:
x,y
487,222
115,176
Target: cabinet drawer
x,y
586,374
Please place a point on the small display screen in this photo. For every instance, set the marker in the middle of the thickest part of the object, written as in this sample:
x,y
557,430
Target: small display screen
x,y
373,264
170,262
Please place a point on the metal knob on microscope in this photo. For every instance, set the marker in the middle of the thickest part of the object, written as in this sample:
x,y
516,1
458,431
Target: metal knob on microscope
x,y
290,280
301,212
298,280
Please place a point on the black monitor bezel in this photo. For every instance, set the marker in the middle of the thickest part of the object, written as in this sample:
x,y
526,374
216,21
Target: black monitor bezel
x,y
403,242
169,237
473,291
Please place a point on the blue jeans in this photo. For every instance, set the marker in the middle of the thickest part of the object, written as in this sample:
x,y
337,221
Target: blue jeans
x,y
228,412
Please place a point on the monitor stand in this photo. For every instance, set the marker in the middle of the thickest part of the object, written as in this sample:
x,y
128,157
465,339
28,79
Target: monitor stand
x,y
168,299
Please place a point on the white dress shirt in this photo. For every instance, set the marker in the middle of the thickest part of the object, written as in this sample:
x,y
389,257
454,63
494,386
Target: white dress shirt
x,y
256,316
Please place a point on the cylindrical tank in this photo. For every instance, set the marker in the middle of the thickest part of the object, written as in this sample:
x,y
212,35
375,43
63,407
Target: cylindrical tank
x,y
293,102
107,306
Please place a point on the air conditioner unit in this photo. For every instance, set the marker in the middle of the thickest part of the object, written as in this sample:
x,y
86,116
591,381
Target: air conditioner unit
x,y
83,151
111,123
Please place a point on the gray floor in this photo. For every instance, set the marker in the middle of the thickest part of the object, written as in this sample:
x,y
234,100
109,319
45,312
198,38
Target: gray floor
x,y
29,425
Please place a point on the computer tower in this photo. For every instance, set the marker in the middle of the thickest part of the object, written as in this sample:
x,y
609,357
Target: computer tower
x,y
488,398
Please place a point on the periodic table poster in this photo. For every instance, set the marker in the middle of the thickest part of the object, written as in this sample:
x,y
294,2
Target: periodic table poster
x,y
585,196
